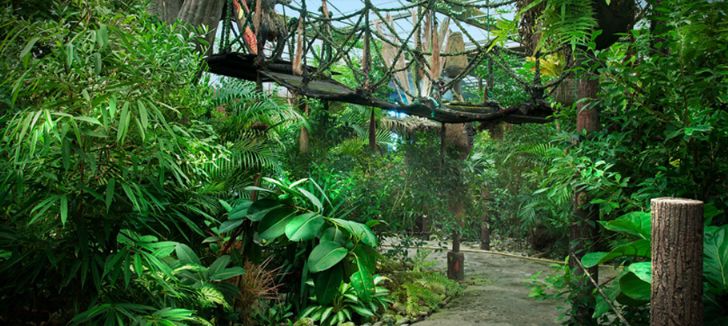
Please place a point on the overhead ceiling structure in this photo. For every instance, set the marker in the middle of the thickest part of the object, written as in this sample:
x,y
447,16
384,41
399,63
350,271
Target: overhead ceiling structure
x,y
390,43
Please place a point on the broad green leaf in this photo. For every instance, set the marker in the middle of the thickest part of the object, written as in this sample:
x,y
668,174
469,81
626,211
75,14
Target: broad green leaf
x,y
363,283
138,264
143,115
227,273
260,208
218,265
102,37
225,205
591,259
638,248
634,287
366,258
327,284
715,256
273,225
636,223
643,270
304,227
240,210
229,225
186,254
315,201
325,255
363,279
359,231
364,312
325,314
334,234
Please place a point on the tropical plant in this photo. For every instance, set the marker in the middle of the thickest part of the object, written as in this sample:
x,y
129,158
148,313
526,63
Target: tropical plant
x,y
161,281
632,285
331,250
107,135
346,305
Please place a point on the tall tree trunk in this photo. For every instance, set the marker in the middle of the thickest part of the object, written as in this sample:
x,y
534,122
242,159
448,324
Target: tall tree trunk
x,y
303,138
202,12
456,144
677,262
194,12
584,232
372,132
167,10
484,224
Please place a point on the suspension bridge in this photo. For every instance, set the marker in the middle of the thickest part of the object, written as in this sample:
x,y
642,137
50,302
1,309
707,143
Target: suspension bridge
x,y
307,47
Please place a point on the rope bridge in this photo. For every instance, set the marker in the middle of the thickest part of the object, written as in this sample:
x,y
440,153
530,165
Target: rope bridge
x,y
416,64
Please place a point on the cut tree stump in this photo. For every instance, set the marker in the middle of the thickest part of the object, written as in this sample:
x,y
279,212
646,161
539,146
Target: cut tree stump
x,y
677,262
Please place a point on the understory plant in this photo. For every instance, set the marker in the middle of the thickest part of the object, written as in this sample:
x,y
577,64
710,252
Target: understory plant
x,y
334,257
631,287
112,162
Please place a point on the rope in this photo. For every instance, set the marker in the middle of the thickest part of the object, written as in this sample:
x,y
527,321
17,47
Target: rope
x,y
338,43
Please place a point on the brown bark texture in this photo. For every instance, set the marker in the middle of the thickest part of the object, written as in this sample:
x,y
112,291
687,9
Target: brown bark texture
x,y
202,12
455,262
167,10
584,232
677,262
303,138
372,131
587,119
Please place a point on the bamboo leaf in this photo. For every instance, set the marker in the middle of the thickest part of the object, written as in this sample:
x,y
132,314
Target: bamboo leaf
x,y
64,209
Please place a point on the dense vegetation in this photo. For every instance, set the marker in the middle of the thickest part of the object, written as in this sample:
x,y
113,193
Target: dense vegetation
x,y
137,189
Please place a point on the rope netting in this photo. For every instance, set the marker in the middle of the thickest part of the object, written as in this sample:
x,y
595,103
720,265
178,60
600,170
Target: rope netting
x,y
311,41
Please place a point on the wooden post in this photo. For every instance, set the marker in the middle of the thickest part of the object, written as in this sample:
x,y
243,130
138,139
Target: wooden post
x,y
484,224
677,262
372,132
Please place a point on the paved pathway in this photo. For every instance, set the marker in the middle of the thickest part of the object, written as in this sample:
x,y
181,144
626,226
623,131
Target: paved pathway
x,y
496,295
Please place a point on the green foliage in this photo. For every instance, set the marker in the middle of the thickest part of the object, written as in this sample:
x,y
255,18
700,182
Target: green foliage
x,y
332,251
182,279
661,133
346,304
114,155
422,292
632,285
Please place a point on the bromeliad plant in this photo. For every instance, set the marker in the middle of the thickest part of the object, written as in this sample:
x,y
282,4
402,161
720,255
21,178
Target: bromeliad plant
x,y
332,251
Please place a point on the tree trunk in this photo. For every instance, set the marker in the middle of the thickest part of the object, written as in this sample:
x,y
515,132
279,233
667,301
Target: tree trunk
x,y
372,132
303,138
584,232
485,234
484,227
455,144
167,10
193,12
677,262
202,12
